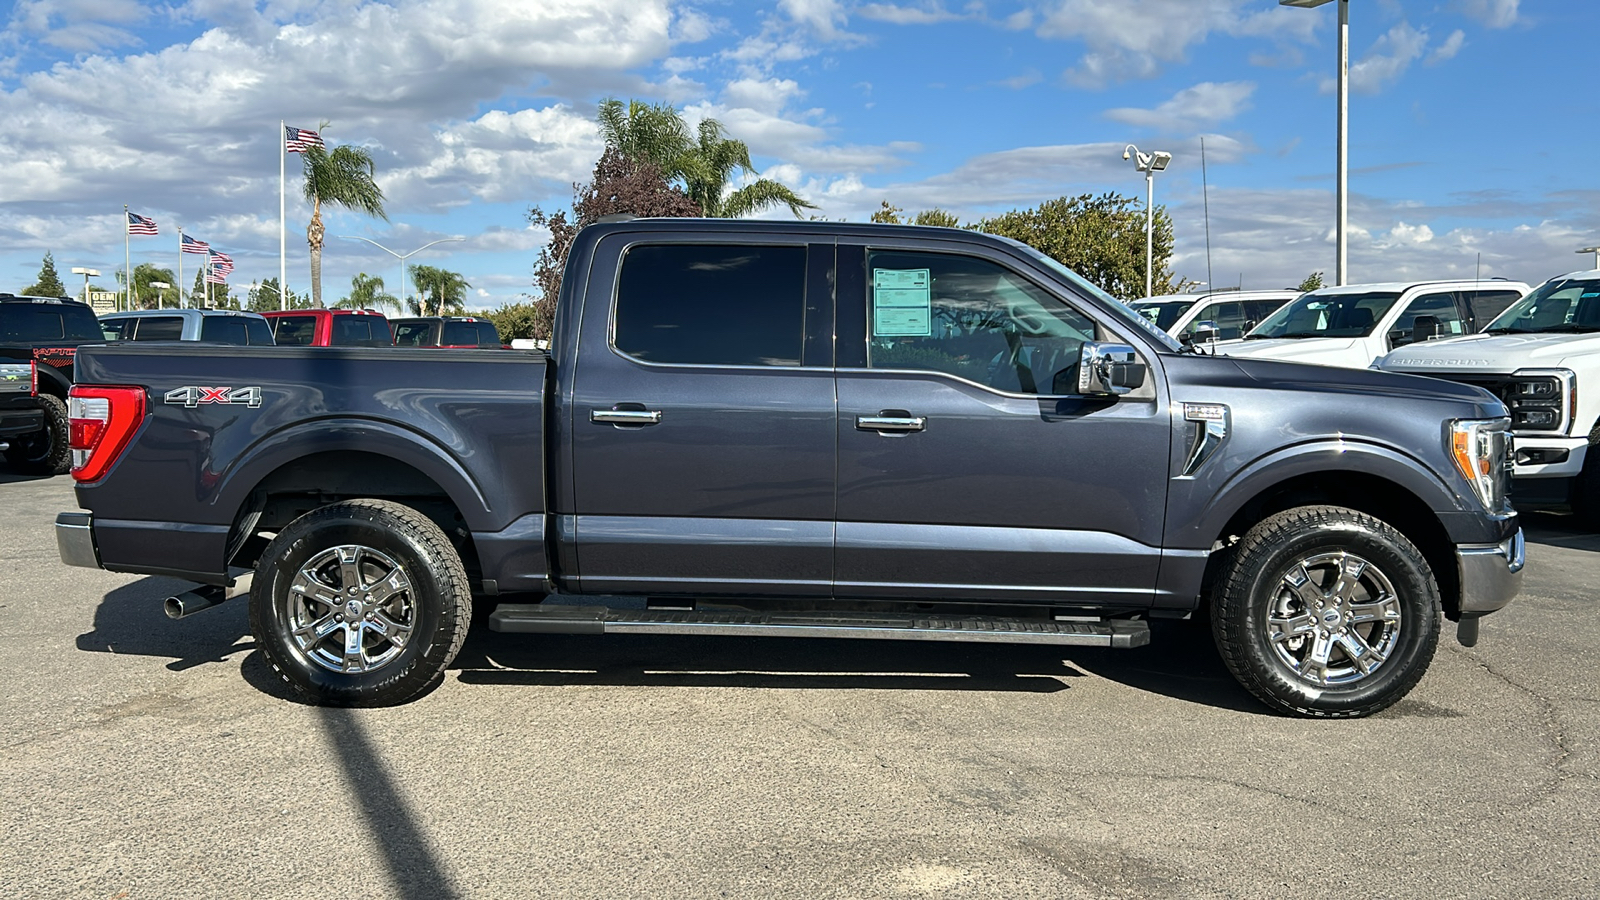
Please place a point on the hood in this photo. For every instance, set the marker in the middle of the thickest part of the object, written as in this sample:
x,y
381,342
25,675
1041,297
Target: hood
x,y
1494,352
1340,351
1300,377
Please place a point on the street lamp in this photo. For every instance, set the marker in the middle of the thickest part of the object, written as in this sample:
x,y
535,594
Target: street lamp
x,y
161,286
87,274
1341,190
400,256
1149,164
1594,250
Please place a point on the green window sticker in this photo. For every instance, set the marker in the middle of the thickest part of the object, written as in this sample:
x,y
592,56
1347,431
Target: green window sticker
x,y
901,300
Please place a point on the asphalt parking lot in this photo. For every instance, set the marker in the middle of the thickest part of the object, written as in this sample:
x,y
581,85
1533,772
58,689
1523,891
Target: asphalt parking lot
x,y
147,758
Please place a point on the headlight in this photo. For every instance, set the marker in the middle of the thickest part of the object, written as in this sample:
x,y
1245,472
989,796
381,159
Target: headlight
x,y
1482,451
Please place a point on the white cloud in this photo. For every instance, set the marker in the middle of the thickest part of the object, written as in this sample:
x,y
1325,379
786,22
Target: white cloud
x,y
1207,103
1493,13
1448,49
1403,234
1388,59
80,26
824,17
926,13
769,96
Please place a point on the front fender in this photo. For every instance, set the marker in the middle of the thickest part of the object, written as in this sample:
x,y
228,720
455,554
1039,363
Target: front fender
x,y
1201,508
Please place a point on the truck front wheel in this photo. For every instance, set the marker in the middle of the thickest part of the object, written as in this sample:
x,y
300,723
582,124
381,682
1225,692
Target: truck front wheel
x,y
1326,612
47,451
360,603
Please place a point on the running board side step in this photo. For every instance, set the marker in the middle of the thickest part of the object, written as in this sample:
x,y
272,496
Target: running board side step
x,y
532,618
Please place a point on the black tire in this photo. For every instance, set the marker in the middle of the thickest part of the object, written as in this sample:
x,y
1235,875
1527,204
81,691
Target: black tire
x,y
47,451
375,539
1586,487
1383,647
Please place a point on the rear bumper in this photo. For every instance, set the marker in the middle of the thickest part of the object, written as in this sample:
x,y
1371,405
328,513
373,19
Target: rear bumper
x,y
20,421
1491,576
75,540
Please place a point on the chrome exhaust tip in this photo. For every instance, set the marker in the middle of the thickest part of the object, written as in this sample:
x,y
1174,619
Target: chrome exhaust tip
x,y
190,602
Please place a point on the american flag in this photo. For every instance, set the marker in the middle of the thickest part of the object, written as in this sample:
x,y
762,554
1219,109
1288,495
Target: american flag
x,y
191,245
296,140
221,262
215,278
138,224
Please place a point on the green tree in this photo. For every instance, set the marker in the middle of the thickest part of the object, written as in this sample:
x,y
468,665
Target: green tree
x,y
1100,238
264,298
706,162
221,297
1311,283
888,214
340,177
441,290
144,295
515,320
366,292
49,283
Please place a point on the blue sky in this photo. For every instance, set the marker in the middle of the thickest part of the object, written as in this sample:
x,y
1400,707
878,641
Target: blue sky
x,y
1472,122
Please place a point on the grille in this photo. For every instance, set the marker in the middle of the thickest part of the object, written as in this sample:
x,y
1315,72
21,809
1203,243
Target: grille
x,y
1536,402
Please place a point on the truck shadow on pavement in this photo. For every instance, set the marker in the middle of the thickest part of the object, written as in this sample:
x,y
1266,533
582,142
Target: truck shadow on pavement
x,y
129,620
1558,529
1180,663
10,476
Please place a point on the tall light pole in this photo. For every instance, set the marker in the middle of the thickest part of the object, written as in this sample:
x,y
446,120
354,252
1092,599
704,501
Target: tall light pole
x,y
87,274
160,286
256,286
1594,250
1149,164
400,256
1341,190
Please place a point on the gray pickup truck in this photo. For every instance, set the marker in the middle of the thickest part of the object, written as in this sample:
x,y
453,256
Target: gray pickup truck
x,y
811,429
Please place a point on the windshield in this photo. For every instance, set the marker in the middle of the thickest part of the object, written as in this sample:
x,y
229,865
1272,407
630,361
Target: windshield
x,y
1162,314
1327,315
1566,305
1117,307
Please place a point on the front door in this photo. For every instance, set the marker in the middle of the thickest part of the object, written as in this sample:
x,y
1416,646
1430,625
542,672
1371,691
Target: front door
x,y
966,469
702,420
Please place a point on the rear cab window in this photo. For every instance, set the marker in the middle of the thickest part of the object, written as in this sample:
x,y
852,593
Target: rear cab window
x,y
224,329
258,332
411,334
297,330
158,328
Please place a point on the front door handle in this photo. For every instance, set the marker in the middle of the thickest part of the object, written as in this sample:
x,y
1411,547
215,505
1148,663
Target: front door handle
x,y
625,416
901,423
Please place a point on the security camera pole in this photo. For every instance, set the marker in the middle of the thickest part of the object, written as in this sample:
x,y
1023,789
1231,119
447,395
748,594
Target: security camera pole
x,y
1149,164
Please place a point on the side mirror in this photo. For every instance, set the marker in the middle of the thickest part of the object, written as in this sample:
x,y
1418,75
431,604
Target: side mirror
x,y
1202,333
1107,370
1425,328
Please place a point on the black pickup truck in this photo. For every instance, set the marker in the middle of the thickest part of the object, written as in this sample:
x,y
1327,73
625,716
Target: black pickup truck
x,y
41,334
812,429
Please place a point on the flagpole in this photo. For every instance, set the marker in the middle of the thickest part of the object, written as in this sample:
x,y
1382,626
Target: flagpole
x,y
127,250
283,227
180,268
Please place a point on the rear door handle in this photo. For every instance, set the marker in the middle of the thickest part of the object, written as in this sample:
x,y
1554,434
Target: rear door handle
x,y
625,416
890,423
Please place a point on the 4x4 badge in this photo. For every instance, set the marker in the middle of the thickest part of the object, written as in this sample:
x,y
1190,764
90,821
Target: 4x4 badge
x,y
195,395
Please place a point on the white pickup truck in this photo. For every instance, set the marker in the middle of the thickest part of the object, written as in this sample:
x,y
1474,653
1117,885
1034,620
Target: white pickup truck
x,y
1352,326
1541,357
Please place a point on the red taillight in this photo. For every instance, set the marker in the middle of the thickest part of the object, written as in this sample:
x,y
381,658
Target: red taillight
x,y
103,420
33,390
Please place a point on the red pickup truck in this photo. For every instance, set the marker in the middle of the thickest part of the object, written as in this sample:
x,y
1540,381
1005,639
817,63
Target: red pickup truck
x,y
330,328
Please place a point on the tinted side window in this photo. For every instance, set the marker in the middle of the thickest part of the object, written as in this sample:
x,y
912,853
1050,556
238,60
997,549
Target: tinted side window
x,y
225,329
258,332
350,330
159,328
1257,310
411,334
487,335
380,331
1228,317
295,330
458,334
81,324
973,319
115,329
712,304
1441,306
1485,305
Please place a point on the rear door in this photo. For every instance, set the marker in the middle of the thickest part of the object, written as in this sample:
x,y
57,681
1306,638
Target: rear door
x,y
702,416
967,470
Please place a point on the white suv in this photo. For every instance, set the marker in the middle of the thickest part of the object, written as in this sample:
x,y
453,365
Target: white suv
x,y
1354,325
1541,357
1232,313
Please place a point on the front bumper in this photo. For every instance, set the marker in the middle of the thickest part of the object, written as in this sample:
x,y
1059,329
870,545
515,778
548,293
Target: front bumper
x,y
75,540
1549,456
1491,576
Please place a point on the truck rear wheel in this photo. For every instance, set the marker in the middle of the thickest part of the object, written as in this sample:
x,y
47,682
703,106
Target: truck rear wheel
x,y
1326,612
47,451
360,603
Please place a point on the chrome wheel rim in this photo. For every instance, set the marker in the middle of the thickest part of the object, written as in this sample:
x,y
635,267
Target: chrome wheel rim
x,y
1334,619
350,609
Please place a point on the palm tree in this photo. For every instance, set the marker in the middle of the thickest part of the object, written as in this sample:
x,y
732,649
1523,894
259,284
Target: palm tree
x,y
143,293
366,292
340,177
445,289
705,163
